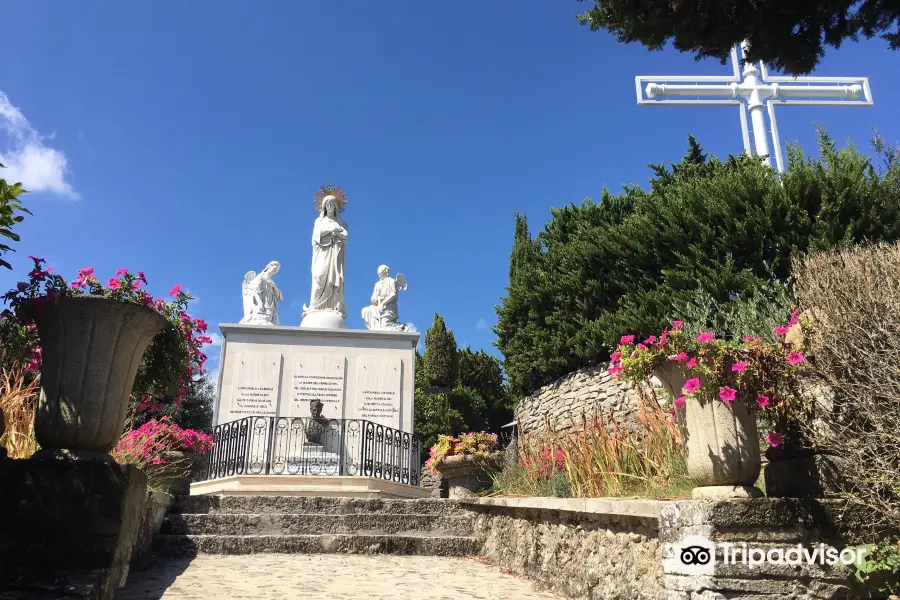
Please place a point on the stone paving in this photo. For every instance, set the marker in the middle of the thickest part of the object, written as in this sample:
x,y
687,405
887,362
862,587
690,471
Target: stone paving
x,y
326,577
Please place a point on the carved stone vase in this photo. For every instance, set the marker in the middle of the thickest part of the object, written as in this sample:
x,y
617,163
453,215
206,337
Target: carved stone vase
x,y
466,475
721,442
91,349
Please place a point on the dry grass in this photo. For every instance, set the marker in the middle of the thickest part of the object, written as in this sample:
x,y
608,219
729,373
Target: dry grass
x,y
19,394
603,460
853,296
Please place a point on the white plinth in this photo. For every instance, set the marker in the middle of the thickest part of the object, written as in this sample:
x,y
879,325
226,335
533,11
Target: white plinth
x,y
355,373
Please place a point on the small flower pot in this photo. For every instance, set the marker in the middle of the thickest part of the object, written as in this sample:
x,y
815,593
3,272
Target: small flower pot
x,y
91,350
466,475
721,442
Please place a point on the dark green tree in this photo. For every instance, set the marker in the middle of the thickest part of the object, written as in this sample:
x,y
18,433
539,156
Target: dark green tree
x,y
435,416
11,213
441,361
726,228
790,36
482,374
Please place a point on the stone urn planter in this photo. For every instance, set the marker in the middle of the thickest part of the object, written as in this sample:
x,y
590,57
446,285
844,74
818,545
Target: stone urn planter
x,y
721,441
91,349
468,474
188,462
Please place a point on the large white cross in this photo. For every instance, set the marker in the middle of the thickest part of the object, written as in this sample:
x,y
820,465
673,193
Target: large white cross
x,y
754,90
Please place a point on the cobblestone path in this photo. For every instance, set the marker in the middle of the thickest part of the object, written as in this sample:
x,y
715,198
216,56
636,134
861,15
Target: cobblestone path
x,y
326,577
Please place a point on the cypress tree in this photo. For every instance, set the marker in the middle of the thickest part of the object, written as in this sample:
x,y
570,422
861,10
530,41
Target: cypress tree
x,y
441,361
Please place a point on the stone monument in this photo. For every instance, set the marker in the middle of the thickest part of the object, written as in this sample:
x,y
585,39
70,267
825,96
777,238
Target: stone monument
x,y
382,314
321,372
326,307
261,296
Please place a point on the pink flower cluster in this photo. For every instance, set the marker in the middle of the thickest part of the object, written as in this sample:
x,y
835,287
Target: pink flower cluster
x,y
547,463
148,444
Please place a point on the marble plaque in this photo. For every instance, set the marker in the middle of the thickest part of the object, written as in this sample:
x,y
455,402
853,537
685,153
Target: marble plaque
x,y
378,390
254,389
318,377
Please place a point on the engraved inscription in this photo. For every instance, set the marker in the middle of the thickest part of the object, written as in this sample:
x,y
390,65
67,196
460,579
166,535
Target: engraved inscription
x,y
255,390
379,390
318,378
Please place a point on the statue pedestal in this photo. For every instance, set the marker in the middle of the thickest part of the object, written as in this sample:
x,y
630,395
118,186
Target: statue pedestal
x,y
323,319
276,371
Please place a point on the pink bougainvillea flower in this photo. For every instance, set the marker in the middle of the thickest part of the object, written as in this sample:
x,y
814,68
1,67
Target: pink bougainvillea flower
x,y
680,402
774,439
86,272
626,339
142,277
37,260
676,324
727,394
749,339
795,358
795,317
705,337
176,289
113,284
616,370
691,385
21,286
762,401
663,337
650,340
615,356
121,271
680,356
642,346
691,363
781,330
739,367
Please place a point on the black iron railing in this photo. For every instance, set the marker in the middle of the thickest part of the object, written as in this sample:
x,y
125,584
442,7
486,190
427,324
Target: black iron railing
x,y
307,446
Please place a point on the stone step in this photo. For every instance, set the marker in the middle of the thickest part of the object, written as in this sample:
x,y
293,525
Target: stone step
x,y
318,505
296,524
420,544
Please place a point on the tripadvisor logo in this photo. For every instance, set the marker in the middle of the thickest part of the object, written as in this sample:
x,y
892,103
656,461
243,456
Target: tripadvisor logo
x,y
697,555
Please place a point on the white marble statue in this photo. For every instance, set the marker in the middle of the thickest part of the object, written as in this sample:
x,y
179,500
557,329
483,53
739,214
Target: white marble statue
x,y
383,313
329,242
261,296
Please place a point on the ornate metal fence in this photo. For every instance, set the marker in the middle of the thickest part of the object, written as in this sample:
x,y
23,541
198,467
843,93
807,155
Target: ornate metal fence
x,y
308,446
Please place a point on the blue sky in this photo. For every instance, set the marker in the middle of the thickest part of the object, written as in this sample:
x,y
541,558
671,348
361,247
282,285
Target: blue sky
x,y
187,139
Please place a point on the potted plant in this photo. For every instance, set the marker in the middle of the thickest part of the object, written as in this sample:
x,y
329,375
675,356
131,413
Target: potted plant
x,y
96,346
168,454
718,388
466,462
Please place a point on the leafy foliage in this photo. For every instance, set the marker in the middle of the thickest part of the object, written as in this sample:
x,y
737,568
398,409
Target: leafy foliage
x,y
441,361
880,568
790,36
11,209
717,231
434,417
196,410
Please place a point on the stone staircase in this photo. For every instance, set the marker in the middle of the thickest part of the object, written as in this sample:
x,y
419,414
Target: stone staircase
x,y
290,524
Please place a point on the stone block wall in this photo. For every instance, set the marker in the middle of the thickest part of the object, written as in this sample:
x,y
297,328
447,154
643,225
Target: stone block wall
x,y
590,391
593,549
628,549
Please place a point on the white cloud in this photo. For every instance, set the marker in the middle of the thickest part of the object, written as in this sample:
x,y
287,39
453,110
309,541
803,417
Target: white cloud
x,y
481,324
216,339
39,167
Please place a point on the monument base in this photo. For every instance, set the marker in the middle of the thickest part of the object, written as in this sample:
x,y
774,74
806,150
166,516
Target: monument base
x,y
325,486
278,371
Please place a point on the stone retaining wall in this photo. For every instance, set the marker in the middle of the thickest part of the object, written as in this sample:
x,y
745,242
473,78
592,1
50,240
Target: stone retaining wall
x,y
590,391
631,549
593,548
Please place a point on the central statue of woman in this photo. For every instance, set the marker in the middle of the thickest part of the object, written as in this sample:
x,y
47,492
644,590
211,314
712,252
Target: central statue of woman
x,y
329,242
